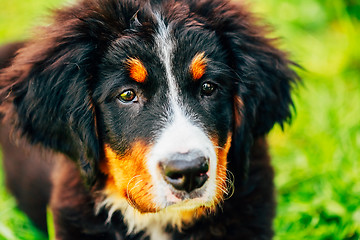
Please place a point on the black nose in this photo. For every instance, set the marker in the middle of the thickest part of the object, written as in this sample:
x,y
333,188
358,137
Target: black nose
x,y
186,172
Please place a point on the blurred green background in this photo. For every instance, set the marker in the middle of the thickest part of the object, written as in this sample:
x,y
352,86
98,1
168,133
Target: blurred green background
x,y
317,158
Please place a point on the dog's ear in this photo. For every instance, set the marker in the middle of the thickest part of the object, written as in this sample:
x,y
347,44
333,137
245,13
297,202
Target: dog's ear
x,y
265,79
49,84
273,80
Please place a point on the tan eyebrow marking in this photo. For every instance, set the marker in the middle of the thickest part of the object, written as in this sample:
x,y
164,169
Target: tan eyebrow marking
x,y
137,70
198,66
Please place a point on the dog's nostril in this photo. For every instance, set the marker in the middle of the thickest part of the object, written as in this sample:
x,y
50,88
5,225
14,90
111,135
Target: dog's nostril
x,y
186,174
174,175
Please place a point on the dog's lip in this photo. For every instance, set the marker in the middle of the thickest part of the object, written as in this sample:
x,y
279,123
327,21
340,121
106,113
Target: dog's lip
x,y
189,204
182,196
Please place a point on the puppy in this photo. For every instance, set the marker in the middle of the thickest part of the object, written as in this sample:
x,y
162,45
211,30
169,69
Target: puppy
x,y
145,119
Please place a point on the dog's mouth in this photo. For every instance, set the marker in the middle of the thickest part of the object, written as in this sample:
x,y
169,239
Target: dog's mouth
x,y
174,190
151,182
175,184
182,196
187,199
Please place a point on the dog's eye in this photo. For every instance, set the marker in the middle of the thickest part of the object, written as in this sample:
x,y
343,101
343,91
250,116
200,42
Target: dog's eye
x,y
208,89
127,96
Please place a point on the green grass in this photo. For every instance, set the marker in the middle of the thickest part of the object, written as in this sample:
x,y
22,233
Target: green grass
x,y
317,158
14,224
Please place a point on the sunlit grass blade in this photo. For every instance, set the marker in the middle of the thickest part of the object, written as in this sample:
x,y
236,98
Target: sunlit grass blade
x,y
50,224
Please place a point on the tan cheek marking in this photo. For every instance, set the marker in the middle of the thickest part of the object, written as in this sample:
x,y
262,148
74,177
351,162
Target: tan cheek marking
x,y
198,66
128,177
222,154
137,70
238,107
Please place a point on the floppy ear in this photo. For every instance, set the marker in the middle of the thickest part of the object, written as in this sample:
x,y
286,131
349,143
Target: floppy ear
x,y
273,79
265,80
48,86
265,77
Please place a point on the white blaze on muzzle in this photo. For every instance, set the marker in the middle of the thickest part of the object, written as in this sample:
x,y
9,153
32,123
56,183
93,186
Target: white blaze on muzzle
x,y
180,134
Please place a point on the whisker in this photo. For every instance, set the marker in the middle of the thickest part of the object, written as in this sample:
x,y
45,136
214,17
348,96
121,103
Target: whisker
x,y
228,188
218,147
129,200
136,185
230,180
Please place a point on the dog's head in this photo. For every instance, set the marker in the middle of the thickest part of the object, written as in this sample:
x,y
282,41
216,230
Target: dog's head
x,y
157,96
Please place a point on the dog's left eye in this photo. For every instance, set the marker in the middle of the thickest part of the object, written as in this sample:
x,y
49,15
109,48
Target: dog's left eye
x,y
208,88
127,96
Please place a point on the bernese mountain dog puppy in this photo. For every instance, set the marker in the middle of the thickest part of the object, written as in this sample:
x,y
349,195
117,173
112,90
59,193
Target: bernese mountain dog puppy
x,y
145,119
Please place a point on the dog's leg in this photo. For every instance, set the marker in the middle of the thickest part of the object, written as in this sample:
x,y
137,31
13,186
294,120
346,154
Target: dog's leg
x,y
27,175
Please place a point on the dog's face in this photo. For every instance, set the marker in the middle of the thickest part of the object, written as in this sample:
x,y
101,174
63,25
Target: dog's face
x,y
160,97
167,110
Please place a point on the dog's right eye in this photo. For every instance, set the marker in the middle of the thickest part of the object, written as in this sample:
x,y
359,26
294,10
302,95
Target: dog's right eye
x,y
127,96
